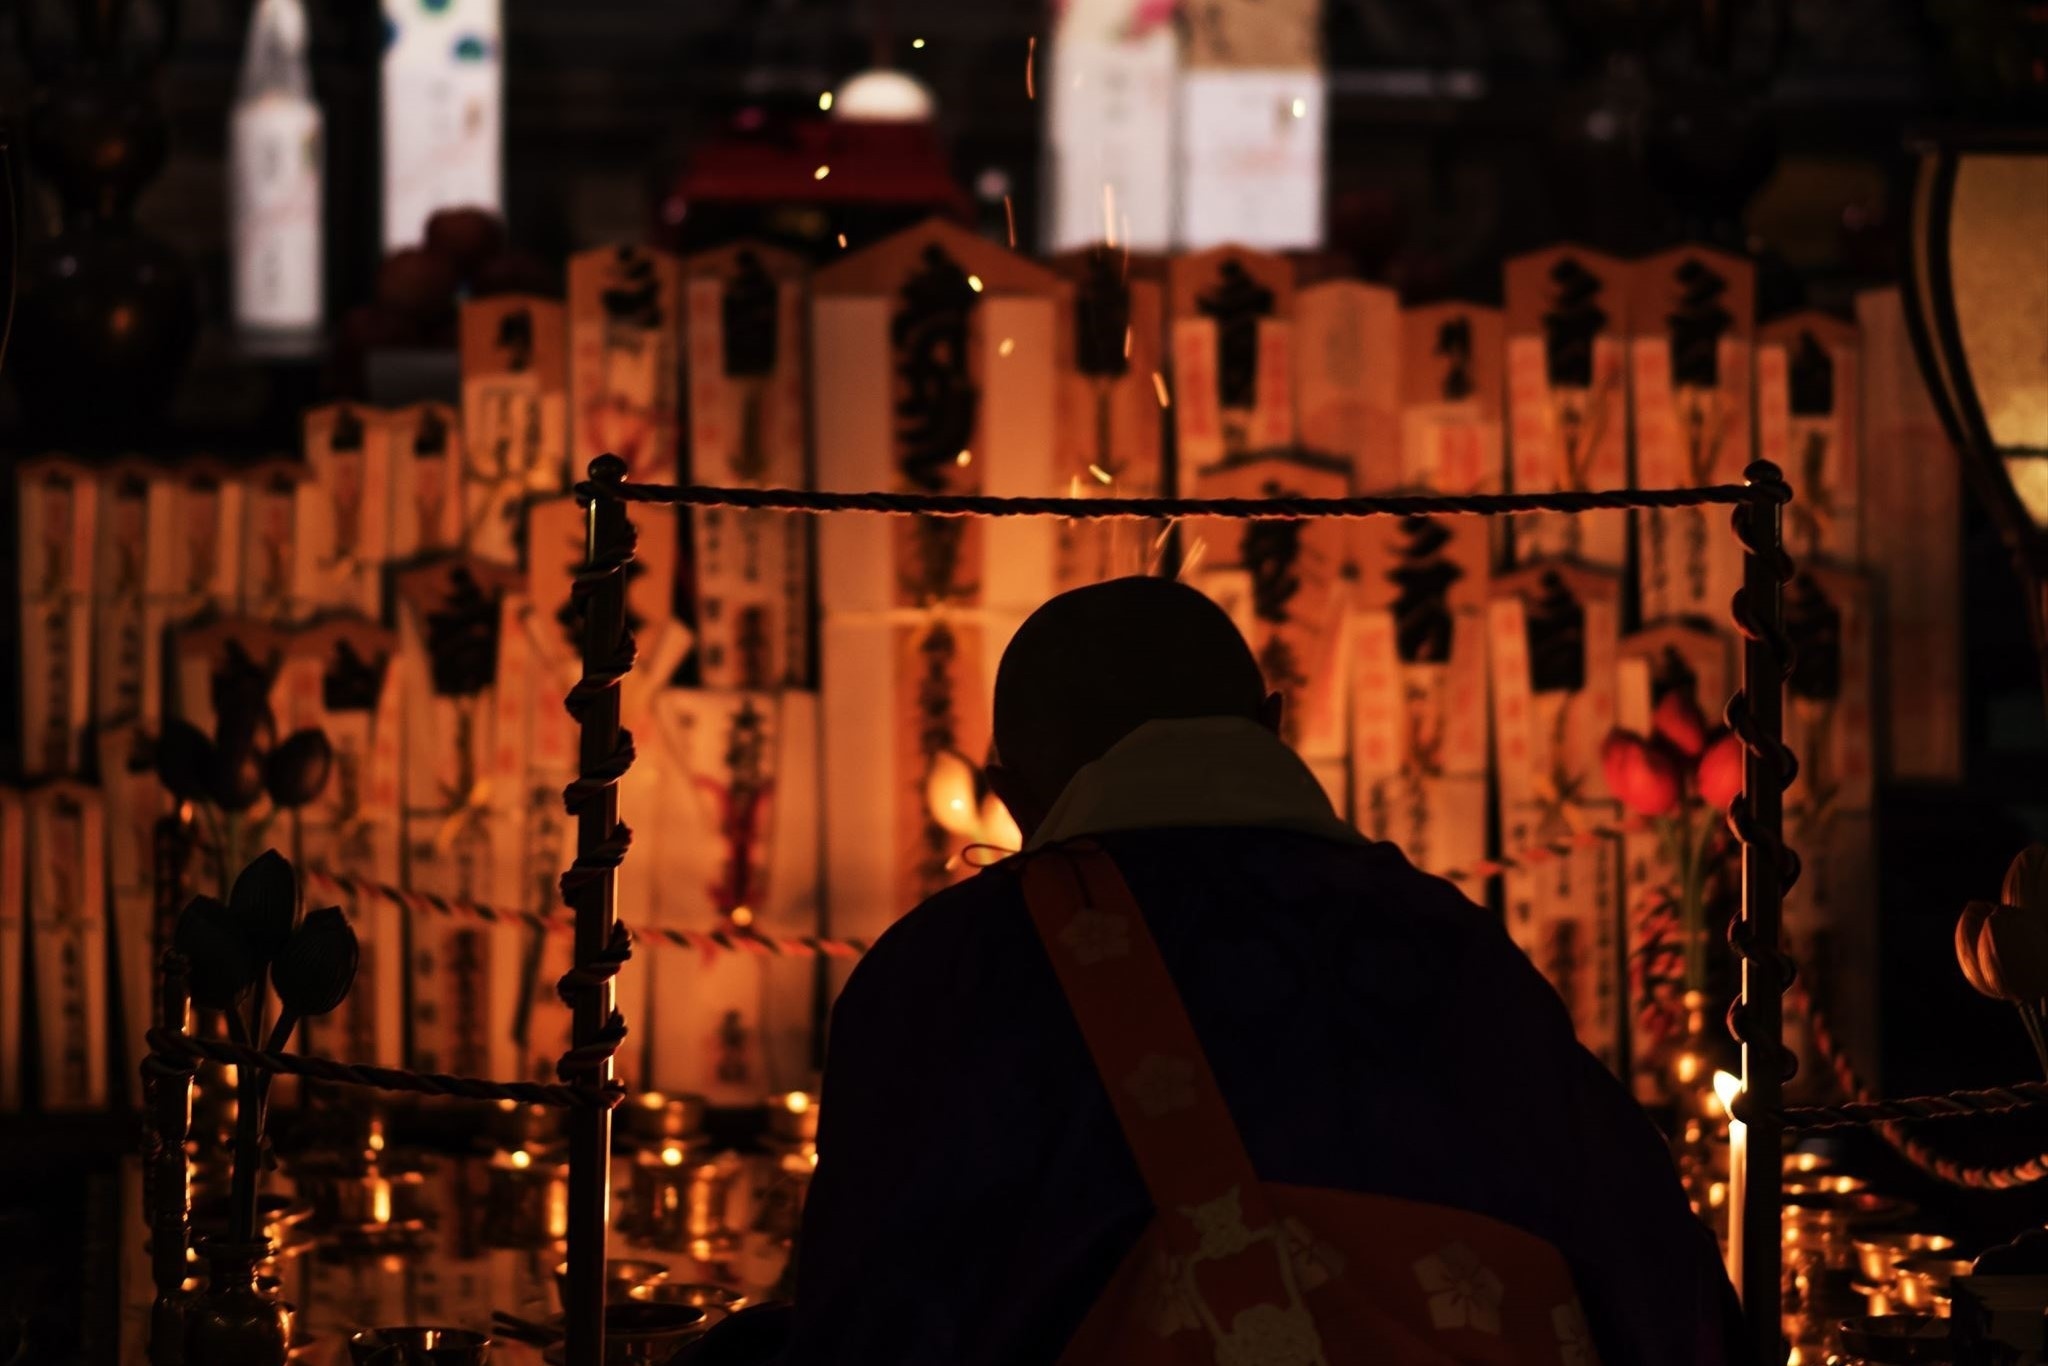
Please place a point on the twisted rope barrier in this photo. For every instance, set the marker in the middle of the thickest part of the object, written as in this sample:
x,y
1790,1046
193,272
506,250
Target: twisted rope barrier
x,y
702,941
1279,509
1884,1116
172,1047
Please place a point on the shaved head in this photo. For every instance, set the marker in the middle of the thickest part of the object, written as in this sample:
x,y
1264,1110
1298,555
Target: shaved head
x,y
1091,666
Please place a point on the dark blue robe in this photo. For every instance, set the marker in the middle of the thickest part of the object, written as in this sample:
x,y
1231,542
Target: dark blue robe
x,y
1371,1029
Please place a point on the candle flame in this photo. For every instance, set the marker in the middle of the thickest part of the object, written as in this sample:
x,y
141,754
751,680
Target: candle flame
x,y
796,1102
672,1156
521,1158
1727,1086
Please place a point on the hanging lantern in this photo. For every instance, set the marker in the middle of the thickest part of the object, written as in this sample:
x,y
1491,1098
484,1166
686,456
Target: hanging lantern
x,y
1977,305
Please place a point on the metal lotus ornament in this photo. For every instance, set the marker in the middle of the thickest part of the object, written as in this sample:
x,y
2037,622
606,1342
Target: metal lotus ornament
x,y
231,948
2002,947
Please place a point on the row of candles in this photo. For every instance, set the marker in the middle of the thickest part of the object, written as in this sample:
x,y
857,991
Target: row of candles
x,y
361,1214
1852,1254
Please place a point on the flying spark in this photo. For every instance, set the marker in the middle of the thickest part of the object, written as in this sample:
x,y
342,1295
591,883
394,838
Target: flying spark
x,y
842,241
1101,475
917,43
821,173
1030,61
974,283
1010,221
1159,388
1006,346
1299,109
964,459
825,100
1127,343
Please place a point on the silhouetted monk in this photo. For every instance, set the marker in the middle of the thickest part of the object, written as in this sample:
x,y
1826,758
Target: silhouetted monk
x,y
1204,1075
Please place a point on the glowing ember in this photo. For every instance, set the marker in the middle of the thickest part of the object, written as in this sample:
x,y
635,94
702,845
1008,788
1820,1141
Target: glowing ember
x,y
821,173
974,283
825,100
917,43
964,459
842,241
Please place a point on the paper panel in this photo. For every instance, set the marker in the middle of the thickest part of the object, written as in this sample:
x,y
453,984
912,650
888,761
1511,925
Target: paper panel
x,y
1297,571
57,504
1912,540
341,526
1567,317
426,471
67,907
1348,342
342,677
134,801
13,944
1109,340
625,359
1233,368
514,416
748,421
1250,158
127,622
1809,411
739,809
1110,135
1692,328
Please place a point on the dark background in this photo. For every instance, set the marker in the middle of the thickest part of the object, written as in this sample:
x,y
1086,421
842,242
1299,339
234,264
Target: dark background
x,y
1461,131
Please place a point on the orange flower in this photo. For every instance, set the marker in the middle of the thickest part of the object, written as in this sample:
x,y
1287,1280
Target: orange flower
x,y
1644,776
1720,771
1678,720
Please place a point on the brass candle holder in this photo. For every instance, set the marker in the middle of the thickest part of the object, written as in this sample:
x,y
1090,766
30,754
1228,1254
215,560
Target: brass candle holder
x,y
526,1199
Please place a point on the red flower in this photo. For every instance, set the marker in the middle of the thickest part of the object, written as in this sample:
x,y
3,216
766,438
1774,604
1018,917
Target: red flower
x,y
1644,776
1720,771
1678,720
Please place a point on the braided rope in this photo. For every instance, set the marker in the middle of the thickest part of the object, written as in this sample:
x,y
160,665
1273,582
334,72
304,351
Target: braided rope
x,y
700,941
1773,756
1863,1109
1153,509
170,1045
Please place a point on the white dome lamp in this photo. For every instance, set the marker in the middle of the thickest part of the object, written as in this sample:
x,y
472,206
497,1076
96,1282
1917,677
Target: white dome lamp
x,y
883,96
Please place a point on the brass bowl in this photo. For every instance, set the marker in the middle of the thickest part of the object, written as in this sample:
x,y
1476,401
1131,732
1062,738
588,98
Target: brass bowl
x,y
715,1300
793,1117
1921,1282
653,1117
643,1334
419,1345
1896,1339
1878,1252
622,1275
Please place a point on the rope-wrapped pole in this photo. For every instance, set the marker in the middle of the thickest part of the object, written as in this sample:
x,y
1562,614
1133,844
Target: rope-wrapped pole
x,y
590,887
1757,816
167,1082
